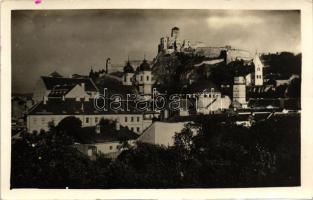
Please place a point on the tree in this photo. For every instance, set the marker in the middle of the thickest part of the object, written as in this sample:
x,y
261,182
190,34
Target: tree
x,y
294,88
70,127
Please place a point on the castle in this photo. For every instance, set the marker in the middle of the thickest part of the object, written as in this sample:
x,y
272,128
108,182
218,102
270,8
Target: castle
x,y
169,45
173,43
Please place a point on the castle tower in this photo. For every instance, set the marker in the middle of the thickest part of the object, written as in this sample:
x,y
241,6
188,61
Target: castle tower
x,y
144,78
128,74
239,92
258,70
175,32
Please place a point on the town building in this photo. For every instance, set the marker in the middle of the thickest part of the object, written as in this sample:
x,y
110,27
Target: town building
x,y
54,110
239,92
109,142
57,86
157,135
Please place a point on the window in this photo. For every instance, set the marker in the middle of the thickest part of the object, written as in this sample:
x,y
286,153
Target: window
x,y
258,69
125,79
138,119
138,129
132,119
147,78
132,128
96,119
111,147
125,119
141,78
87,119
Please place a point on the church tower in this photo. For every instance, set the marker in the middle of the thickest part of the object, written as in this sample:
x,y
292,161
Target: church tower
x,y
144,78
128,74
258,70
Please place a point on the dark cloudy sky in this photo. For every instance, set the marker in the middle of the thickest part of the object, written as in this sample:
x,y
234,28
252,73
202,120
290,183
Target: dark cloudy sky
x,y
70,41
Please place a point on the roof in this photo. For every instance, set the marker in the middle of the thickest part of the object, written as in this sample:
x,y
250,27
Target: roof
x,y
60,90
117,74
114,86
51,82
73,107
88,135
202,85
128,68
55,74
144,66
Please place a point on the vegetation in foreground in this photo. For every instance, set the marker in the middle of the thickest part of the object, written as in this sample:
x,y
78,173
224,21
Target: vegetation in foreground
x,y
220,155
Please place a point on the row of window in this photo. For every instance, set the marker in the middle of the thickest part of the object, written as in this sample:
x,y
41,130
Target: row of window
x,y
87,119
131,119
117,147
258,76
141,78
211,96
137,129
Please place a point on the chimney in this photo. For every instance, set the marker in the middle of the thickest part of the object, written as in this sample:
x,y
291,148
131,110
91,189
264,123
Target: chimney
x,y
117,126
45,99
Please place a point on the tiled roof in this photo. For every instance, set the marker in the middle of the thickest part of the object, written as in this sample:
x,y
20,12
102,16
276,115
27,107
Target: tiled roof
x,y
51,82
73,107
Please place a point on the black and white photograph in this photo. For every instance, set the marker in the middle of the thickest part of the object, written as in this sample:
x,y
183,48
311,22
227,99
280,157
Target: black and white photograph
x,y
155,98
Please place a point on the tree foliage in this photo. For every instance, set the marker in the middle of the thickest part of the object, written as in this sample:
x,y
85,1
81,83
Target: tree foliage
x,y
220,154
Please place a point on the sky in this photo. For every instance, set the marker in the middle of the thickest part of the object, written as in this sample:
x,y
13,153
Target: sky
x,y
71,41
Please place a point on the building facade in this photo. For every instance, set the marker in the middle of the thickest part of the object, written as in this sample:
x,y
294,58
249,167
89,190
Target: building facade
x,y
54,110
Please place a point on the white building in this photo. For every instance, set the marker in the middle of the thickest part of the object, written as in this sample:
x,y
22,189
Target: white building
x,y
110,143
258,71
156,133
54,110
239,92
210,102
